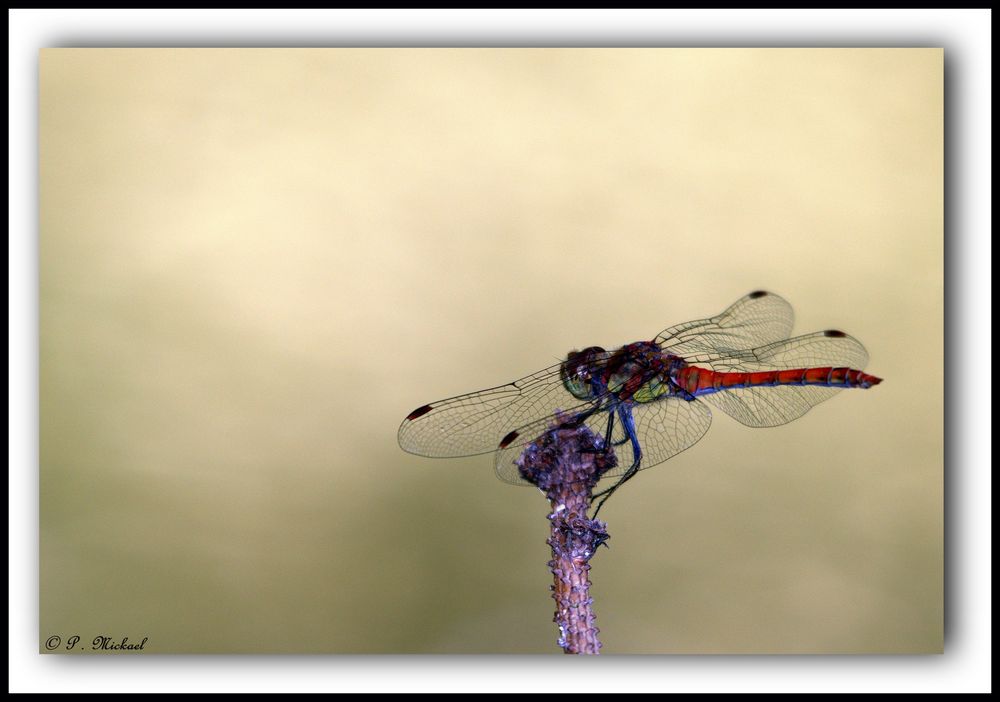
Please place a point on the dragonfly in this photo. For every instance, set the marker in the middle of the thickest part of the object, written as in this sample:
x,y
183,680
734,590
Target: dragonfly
x,y
650,400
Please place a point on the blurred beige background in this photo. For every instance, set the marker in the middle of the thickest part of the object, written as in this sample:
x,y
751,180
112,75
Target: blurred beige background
x,y
255,263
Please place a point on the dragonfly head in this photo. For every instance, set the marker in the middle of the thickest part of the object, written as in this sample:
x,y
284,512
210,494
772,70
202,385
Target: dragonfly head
x,y
581,372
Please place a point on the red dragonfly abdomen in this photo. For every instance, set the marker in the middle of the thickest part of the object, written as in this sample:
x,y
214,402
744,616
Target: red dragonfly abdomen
x,y
702,381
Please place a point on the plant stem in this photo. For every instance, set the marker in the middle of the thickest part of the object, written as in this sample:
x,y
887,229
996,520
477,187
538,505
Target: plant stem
x,y
566,463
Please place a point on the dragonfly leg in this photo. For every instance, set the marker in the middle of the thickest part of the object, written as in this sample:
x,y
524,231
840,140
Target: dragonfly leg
x,y
582,416
607,434
628,424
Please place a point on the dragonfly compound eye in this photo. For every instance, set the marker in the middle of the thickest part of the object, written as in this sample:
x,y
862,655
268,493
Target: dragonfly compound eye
x,y
581,372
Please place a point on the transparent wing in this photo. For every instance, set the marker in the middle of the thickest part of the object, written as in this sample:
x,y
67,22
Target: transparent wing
x,y
754,320
664,429
475,423
769,406
817,350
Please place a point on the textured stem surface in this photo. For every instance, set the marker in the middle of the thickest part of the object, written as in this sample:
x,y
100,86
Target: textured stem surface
x,y
565,463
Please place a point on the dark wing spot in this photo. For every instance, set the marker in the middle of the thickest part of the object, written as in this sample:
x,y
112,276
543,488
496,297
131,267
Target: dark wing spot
x,y
508,440
835,333
418,412
757,293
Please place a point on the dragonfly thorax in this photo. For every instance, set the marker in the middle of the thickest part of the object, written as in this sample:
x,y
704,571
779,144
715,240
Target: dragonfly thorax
x,y
635,371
